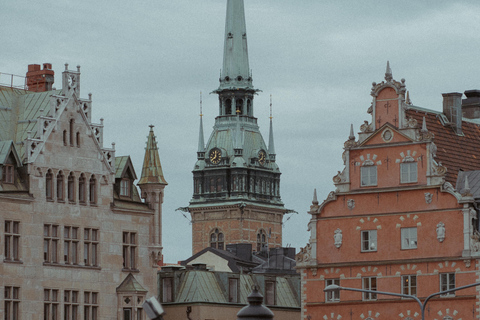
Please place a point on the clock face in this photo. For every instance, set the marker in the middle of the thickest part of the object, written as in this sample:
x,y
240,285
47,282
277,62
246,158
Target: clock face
x,y
72,81
262,156
215,156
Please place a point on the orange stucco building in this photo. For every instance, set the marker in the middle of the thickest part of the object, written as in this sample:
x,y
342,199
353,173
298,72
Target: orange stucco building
x,y
403,217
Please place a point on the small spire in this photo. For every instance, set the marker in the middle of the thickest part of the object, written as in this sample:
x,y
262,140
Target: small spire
x,y
271,144
152,172
388,73
315,200
201,140
352,135
424,126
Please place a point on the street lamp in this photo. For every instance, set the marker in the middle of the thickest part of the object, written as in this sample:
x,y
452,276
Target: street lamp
x,y
334,287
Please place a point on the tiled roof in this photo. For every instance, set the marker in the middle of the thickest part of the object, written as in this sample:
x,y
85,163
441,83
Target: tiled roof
x,y
455,152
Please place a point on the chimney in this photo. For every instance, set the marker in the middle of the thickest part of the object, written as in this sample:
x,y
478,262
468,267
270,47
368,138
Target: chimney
x,y
452,108
471,105
39,80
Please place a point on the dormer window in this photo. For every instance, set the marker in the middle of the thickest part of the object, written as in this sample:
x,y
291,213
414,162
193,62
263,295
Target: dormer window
x,y
8,173
125,188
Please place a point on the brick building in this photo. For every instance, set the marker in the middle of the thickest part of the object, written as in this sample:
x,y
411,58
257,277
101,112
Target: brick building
x,y
77,240
403,217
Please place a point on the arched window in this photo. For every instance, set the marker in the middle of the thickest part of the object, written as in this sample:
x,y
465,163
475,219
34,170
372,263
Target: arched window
x,y
217,240
49,184
65,138
78,139
262,243
60,186
81,189
228,107
71,187
92,190
249,107
239,106
72,134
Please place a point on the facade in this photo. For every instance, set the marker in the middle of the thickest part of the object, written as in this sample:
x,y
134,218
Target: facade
x,y
403,217
236,179
214,284
77,240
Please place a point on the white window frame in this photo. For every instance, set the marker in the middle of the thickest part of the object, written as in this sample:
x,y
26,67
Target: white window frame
x,y
369,283
368,176
408,172
125,187
369,238
409,238
332,296
409,285
447,282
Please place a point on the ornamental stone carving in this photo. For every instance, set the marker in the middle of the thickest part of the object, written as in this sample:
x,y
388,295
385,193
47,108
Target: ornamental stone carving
x,y
304,254
366,127
340,177
350,204
441,231
428,197
411,123
338,237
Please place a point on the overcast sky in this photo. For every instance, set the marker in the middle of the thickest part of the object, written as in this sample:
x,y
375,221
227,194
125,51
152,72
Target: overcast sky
x,y
146,62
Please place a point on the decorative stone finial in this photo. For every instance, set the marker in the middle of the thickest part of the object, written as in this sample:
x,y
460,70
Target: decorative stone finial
x,y
78,68
352,135
388,73
424,126
315,200
66,66
407,100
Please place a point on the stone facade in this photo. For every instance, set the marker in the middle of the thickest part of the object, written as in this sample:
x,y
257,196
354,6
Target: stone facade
x,y
77,241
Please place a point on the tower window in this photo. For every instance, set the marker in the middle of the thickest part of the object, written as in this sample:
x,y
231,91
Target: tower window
x,y
262,243
81,189
217,239
60,189
228,107
249,107
49,185
239,106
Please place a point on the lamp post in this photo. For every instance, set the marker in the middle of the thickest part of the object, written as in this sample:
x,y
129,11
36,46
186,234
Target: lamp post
x,y
334,287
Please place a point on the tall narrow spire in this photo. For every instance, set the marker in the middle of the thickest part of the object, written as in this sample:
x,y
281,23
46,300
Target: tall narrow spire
x,y
201,140
152,168
271,145
236,69
388,72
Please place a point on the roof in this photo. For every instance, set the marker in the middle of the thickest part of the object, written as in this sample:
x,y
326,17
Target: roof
x,y
473,182
130,284
122,163
200,286
152,172
7,148
455,152
234,262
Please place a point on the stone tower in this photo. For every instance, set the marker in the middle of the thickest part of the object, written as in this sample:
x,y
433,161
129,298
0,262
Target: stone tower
x,y
236,195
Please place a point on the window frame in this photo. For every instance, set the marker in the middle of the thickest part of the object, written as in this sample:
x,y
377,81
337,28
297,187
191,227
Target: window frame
x,y
11,304
70,245
217,239
8,173
51,239
60,181
262,240
367,179
233,290
332,296
125,187
90,247
369,283
167,290
51,304
49,185
406,234
11,240
447,282
270,292
408,172
90,305
129,250
370,240
409,285
71,304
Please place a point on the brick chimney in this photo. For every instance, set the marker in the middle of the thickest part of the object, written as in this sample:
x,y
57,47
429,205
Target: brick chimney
x,y
39,80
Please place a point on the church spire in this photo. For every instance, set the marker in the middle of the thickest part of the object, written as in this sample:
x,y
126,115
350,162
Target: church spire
x,y
152,168
271,145
236,70
201,140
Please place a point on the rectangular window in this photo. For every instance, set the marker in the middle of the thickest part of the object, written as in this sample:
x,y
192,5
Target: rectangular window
x,y
129,250
50,304
369,283
167,290
90,247
369,240
270,293
408,172
409,238
12,240
90,305
127,314
11,306
8,173
447,282
70,245
125,187
233,290
368,176
50,243
409,285
332,296
70,305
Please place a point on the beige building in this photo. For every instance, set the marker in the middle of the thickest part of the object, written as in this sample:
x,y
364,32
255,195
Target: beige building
x,y
78,242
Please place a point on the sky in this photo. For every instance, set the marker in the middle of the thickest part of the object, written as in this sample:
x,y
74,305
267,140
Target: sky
x,y
146,62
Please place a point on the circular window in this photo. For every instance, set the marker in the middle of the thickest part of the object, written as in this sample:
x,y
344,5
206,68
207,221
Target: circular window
x,y
387,135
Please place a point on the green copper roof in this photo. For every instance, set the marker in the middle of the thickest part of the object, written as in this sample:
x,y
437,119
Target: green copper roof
x,y
130,284
152,168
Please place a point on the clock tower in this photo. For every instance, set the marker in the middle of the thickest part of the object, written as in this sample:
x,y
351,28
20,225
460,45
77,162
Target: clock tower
x,y
236,196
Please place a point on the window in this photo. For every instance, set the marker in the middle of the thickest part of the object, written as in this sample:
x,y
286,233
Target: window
x,y
12,240
217,239
78,139
65,139
270,293
70,305
70,245
125,187
11,305
369,283
129,250
60,186
447,282
332,296
409,285
90,247
8,173
81,189
72,135
262,244
233,290
127,314
90,308
408,172
92,190
368,176
50,304
50,243
409,238
369,240
167,290
71,187
49,185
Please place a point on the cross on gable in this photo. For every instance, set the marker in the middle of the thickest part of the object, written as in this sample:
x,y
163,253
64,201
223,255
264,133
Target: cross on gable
x,y
379,121
387,106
